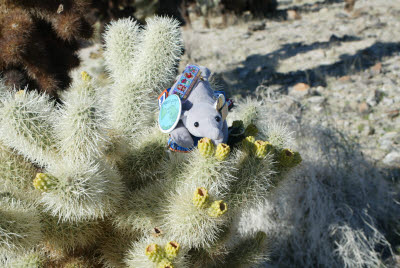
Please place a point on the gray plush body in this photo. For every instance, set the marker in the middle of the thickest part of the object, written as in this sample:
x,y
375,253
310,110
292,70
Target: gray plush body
x,y
200,116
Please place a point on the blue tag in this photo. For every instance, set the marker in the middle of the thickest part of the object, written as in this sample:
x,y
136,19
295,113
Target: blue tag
x,y
170,113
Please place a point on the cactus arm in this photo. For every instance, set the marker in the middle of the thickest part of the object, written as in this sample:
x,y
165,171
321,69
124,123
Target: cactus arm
x,y
26,125
121,38
81,128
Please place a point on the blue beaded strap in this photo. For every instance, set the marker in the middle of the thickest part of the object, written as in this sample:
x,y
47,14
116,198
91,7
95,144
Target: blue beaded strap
x,y
186,82
173,146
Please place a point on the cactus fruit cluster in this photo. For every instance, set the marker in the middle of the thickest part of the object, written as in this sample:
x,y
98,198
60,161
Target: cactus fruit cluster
x,y
39,41
88,181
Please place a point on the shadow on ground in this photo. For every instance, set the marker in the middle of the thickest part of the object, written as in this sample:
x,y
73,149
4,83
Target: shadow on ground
x,y
262,69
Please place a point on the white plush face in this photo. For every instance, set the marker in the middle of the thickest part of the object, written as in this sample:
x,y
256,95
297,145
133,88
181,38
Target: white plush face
x,y
203,120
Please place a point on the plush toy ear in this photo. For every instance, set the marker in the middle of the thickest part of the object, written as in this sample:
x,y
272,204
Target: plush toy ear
x,y
220,106
205,72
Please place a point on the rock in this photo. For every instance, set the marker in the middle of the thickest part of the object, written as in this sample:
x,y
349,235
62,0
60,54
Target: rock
x,y
376,69
392,159
246,35
258,69
387,101
386,144
293,15
363,108
316,100
345,78
301,87
299,90
258,26
324,10
390,135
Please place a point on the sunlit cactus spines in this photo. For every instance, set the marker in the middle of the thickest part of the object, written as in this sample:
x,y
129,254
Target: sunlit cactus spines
x,y
28,260
217,208
206,147
135,57
200,198
222,151
44,182
171,249
89,180
26,126
20,94
19,226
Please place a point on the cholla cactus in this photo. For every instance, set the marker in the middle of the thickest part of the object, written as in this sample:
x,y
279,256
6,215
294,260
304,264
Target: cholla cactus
x,y
217,208
262,148
288,158
172,249
200,197
222,151
206,147
251,130
39,41
155,252
44,182
99,180
248,144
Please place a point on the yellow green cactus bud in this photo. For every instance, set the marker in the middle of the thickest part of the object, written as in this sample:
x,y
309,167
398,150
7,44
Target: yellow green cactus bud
x,y
154,252
44,182
165,263
85,76
206,147
217,208
248,143
251,130
285,157
172,250
288,158
222,151
237,124
262,148
200,197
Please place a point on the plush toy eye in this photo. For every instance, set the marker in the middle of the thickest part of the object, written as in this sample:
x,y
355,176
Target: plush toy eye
x,y
217,118
196,124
